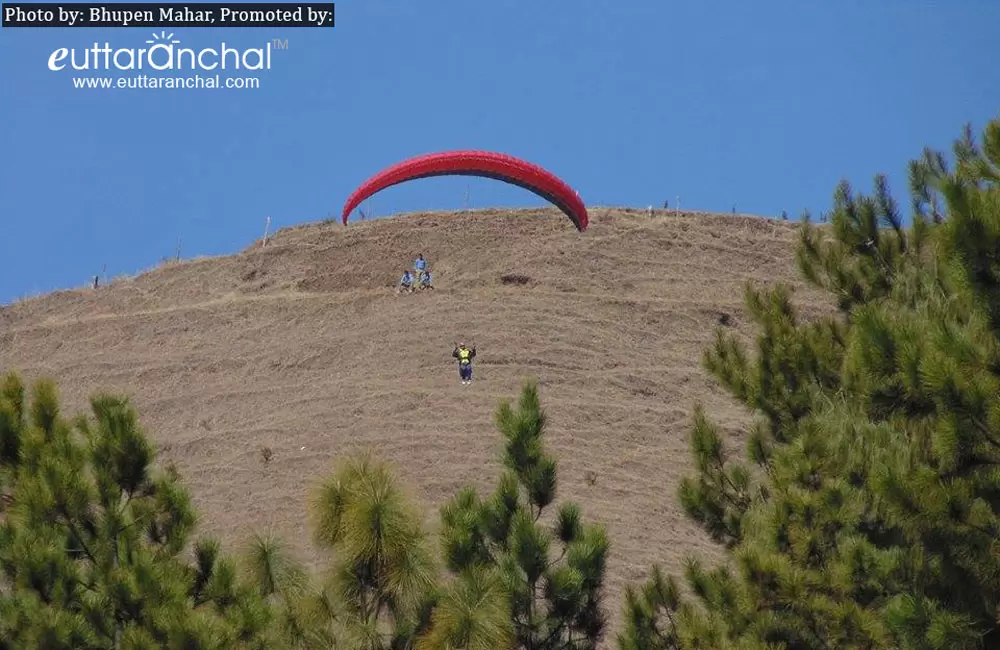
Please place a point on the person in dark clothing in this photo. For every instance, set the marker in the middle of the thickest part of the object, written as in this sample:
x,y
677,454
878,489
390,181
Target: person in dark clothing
x,y
465,357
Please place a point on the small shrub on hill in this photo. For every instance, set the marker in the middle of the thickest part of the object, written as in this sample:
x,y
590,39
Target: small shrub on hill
x,y
515,278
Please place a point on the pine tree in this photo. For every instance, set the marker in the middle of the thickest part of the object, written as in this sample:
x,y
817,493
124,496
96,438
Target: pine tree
x,y
383,568
795,361
932,372
383,588
553,574
92,540
869,518
289,591
471,612
381,579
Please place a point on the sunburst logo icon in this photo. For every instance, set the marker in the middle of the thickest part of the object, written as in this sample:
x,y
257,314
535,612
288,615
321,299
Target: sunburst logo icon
x,y
163,37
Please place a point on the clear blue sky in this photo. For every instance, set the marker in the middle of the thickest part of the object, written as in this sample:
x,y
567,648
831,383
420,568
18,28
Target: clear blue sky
x,y
765,105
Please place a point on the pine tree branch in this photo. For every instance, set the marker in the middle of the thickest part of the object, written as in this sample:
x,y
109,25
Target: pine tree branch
x,y
533,588
741,501
88,587
552,635
972,464
985,430
558,559
813,626
673,626
75,532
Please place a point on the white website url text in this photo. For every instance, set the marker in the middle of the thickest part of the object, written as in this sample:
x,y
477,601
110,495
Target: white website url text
x,y
147,82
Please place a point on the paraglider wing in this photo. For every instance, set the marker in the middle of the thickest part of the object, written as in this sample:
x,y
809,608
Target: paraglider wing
x,y
486,164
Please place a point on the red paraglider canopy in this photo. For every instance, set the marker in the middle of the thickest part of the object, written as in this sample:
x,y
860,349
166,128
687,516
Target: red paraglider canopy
x,y
487,164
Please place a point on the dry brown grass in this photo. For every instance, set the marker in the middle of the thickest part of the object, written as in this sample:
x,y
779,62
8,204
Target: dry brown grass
x,y
303,349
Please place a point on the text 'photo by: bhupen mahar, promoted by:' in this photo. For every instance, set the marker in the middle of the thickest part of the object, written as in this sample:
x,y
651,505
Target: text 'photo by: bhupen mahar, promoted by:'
x,y
158,45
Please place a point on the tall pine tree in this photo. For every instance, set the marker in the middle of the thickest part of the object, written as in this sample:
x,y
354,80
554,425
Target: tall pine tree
x,y
93,539
867,514
554,574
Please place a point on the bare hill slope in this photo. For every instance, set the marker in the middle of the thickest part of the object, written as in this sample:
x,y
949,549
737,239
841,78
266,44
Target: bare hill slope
x,y
302,347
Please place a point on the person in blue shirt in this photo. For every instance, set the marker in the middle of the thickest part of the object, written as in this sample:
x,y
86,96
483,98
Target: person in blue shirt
x,y
425,280
406,282
420,267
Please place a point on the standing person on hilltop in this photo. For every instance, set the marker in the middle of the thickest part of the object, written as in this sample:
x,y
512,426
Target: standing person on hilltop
x,y
420,265
465,357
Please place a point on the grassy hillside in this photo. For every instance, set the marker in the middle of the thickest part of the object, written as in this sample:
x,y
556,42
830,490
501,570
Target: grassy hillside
x,y
302,347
